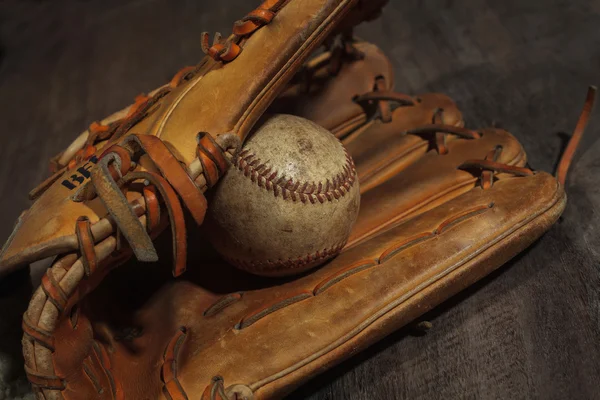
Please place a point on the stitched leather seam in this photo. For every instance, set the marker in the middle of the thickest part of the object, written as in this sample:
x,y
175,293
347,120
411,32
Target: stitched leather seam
x,y
393,221
92,376
266,311
343,274
403,245
172,388
221,304
386,162
330,281
270,179
104,362
403,298
457,219
290,263
140,110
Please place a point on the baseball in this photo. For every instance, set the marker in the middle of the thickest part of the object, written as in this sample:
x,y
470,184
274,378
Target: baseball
x,y
287,202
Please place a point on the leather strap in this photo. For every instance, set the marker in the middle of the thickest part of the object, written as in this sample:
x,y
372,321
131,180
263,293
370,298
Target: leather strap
x,y
140,112
117,205
124,160
152,208
41,336
50,382
174,173
103,360
380,94
172,388
54,292
263,15
454,130
386,95
180,75
212,158
487,177
215,391
569,153
86,245
176,217
496,166
228,49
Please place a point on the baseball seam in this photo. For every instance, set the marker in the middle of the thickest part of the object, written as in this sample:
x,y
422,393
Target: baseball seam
x,y
268,178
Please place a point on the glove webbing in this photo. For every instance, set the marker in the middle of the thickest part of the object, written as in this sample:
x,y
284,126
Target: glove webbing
x,y
489,166
136,222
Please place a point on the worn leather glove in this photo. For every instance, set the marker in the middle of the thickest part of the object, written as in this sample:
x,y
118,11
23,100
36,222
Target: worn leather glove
x,y
442,206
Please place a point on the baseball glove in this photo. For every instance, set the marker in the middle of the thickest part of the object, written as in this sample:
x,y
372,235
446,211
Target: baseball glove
x,y
441,207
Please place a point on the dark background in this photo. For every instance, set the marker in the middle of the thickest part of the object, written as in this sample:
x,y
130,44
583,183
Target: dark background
x,y
531,330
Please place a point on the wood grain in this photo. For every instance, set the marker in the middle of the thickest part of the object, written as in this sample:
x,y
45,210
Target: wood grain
x,y
531,330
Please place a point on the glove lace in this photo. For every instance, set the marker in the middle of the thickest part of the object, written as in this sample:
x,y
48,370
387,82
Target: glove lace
x,y
487,167
221,51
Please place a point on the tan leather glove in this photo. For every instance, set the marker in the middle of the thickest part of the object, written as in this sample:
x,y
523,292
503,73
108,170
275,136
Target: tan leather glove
x,y
441,207
222,97
430,229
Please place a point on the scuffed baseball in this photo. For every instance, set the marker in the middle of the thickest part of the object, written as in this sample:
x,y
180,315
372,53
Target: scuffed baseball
x,y
288,202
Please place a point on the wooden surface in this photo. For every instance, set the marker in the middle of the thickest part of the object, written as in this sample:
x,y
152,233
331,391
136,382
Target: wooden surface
x,y
532,330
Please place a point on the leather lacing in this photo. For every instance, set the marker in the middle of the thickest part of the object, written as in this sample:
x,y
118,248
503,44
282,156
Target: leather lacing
x,y
489,165
386,101
228,49
98,132
216,390
136,223
221,50
569,153
486,168
339,50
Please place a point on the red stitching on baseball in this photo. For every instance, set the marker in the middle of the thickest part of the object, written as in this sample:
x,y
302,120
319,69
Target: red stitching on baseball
x,y
307,192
